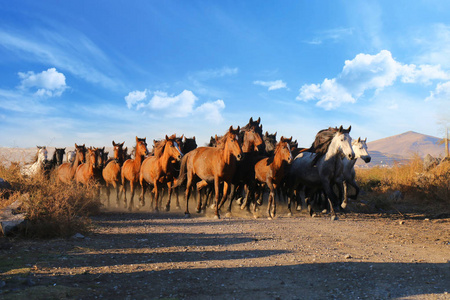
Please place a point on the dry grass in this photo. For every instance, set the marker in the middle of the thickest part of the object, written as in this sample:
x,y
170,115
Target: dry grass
x,y
425,191
52,209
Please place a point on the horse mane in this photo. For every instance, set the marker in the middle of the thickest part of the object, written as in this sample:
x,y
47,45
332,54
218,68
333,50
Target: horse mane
x,y
323,140
158,148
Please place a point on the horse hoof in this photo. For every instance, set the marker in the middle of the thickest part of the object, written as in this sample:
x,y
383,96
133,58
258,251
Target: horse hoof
x,y
255,216
289,214
167,208
178,207
269,218
228,215
243,207
299,208
344,205
313,215
198,211
334,218
239,201
187,215
216,217
212,206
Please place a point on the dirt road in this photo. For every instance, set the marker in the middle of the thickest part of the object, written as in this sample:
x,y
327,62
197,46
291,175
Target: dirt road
x,y
151,256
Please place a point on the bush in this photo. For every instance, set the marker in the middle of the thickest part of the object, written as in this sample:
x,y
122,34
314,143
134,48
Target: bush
x,y
52,209
425,190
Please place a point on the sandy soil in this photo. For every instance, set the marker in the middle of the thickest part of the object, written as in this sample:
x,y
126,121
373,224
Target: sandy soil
x,y
151,256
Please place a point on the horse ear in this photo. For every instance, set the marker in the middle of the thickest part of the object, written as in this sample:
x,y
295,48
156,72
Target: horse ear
x,y
238,129
193,137
359,140
365,140
251,120
76,146
182,136
167,138
259,120
349,128
231,128
275,135
114,144
340,129
267,134
103,148
137,139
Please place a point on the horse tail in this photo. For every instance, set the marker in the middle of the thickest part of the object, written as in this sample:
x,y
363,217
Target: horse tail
x,y
183,171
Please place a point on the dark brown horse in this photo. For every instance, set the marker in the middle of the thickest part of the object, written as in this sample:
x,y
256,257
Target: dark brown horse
x,y
66,171
212,165
85,171
271,171
111,172
158,170
131,169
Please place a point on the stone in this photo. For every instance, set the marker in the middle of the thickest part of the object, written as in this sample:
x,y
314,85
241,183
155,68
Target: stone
x,y
10,219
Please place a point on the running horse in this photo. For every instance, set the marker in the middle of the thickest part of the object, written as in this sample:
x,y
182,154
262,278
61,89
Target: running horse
x,y
210,164
85,172
271,171
359,146
320,167
66,171
38,165
158,170
131,169
111,173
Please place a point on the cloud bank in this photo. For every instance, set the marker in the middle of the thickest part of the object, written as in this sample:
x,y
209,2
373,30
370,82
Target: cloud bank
x,y
364,73
175,106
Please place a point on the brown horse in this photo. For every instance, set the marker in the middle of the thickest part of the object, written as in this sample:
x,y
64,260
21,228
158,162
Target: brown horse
x,y
66,171
85,172
111,173
158,170
271,171
212,165
131,169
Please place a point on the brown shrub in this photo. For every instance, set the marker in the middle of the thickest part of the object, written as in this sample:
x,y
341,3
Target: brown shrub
x,y
53,209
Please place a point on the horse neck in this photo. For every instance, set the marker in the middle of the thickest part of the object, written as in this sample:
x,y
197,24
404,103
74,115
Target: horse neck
x,y
227,155
164,160
138,161
333,151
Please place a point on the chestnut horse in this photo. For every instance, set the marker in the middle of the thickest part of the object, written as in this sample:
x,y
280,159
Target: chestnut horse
x,y
271,171
85,172
212,165
131,169
66,171
158,170
111,173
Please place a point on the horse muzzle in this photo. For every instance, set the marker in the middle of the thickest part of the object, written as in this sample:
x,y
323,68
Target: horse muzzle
x,y
367,159
238,157
351,156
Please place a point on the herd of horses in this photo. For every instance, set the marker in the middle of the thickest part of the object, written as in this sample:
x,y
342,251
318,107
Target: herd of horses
x,y
241,166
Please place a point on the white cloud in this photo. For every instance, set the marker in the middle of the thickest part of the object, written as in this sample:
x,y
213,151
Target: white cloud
x,y
180,105
367,72
49,83
134,97
272,85
441,93
211,111
175,106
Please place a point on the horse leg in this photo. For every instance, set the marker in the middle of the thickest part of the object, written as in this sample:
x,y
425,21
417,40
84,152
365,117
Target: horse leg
x,y
224,196
156,190
271,200
108,193
117,188
142,196
131,204
345,200
332,199
169,190
124,192
187,193
177,190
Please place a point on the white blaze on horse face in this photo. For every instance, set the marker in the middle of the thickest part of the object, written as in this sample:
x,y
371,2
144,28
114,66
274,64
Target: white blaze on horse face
x,y
178,148
290,153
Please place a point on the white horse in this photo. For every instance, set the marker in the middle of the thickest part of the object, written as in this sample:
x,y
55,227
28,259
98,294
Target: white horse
x,y
38,165
321,166
71,156
360,148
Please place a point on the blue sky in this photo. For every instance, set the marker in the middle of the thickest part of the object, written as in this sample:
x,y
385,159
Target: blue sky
x,y
96,71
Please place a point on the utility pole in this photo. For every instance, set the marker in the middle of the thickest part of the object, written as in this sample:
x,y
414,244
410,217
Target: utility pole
x,y
445,141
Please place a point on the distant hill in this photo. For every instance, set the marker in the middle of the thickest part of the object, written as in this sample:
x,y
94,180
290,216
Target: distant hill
x,y
401,147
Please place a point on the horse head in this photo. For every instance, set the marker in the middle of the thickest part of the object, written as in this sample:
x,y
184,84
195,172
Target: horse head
x,y
92,156
141,147
270,142
189,144
59,154
42,154
118,150
252,139
344,142
360,148
173,148
283,150
231,142
99,155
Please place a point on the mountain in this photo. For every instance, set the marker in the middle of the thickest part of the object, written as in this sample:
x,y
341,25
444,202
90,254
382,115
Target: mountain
x,y
401,147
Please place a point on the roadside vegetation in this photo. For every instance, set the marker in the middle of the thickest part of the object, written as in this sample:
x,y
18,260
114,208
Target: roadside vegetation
x,y
52,209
